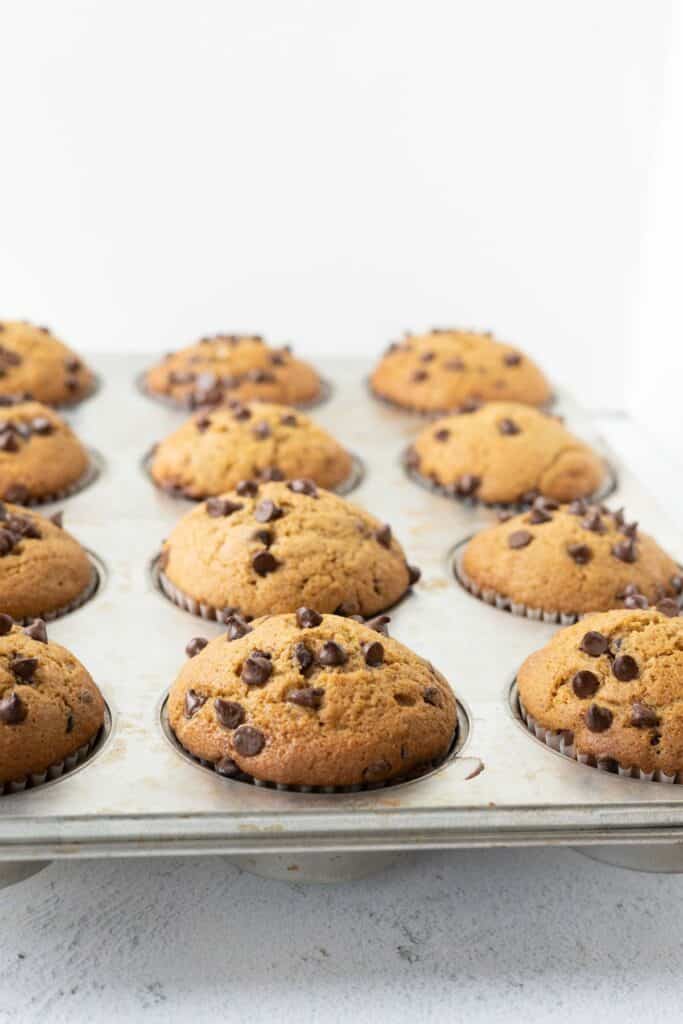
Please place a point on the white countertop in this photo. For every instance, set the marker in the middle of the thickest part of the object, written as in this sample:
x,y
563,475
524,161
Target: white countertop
x,y
476,935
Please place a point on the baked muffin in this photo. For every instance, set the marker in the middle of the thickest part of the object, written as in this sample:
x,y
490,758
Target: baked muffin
x,y
233,366
49,706
571,560
268,548
611,689
446,370
43,570
505,452
214,450
40,456
312,700
35,364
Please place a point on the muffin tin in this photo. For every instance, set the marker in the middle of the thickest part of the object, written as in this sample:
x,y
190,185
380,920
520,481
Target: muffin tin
x,y
138,794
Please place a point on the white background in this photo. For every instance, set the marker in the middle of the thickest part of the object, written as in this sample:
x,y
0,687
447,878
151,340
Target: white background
x,y
331,173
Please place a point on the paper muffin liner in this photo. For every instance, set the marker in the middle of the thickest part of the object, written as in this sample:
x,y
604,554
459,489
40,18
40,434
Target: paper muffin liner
x,y
558,741
607,487
77,602
324,395
504,603
433,414
55,771
353,480
91,474
455,746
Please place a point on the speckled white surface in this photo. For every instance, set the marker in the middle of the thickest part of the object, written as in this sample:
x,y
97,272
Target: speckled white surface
x,y
467,935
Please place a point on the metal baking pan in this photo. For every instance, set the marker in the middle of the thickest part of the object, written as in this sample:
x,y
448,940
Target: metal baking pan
x,y
139,794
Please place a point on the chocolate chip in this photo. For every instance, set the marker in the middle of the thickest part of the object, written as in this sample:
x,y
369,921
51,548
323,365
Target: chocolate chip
x,y
625,668
519,539
379,623
227,767
414,574
625,550
42,425
427,357
72,364
37,631
220,507
508,426
454,365
240,412
304,658
432,695
247,488
581,553
23,668
193,702
442,435
585,683
17,494
347,609
376,771
419,375
332,654
638,601
271,474
373,652
264,563
196,644
264,537
598,719
307,697
202,423
677,584
248,741
289,420
578,507
467,484
9,443
383,536
504,516
229,713
257,669
539,515
630,530
306,618
303,486
261,430
237,627
594,644
669,607
260,376
6,623
267,511
642,716
12,710
58,519
593,521
512,359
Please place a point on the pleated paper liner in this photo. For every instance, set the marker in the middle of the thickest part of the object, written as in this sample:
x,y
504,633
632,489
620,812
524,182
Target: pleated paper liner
x,y
435,414
457,744
607,487
62,769
353,480
563,743
96,579
323,396
92,473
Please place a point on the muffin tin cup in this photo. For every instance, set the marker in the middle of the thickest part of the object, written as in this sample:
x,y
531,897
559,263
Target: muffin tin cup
x,y
58,770
324,395
501,601
77,602
92,473
353,480
608,486
455,748
557,741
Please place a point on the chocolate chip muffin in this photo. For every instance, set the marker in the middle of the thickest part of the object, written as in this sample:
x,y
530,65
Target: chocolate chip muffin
x,y
50,708
611,690
215,450
446,370
505,452
268,548
35,364
43,570
233,366
312,700
569,560
40,456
